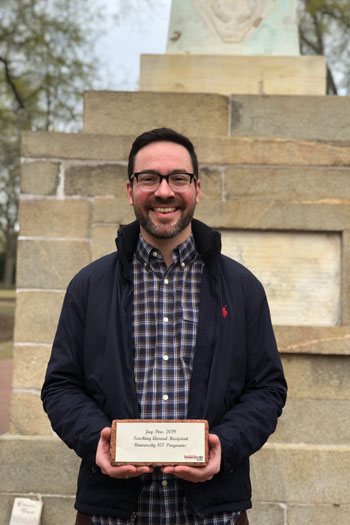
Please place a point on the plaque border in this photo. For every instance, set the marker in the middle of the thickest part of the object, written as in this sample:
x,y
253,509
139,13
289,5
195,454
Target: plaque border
x,y
158,463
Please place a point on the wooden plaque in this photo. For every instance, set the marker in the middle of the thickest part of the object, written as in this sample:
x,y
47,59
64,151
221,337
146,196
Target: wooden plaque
x,y
159,442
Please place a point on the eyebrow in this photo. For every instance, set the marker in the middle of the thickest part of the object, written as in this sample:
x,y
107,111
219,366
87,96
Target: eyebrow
x,y
170,172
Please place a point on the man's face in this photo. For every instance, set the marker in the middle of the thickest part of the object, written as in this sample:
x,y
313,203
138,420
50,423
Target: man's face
x,y
163,213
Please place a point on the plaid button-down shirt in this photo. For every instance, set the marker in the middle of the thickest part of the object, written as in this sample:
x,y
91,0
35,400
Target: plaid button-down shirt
x,y
165,320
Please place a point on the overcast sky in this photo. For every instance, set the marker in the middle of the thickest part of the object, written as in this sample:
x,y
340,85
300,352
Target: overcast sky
x,y
142,27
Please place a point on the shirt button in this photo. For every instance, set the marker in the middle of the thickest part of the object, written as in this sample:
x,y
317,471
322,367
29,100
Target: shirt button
x,y
164,482
165,397
166,281
165,319
165,357
155,254
182,265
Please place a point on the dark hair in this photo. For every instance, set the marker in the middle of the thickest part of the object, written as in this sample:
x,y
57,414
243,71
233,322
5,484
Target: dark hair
x,y
161,135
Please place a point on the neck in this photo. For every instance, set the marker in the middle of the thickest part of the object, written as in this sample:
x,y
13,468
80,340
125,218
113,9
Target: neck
x,y
166,246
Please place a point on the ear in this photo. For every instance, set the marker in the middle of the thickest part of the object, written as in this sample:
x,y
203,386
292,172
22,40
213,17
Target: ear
x,y
129,190
198,191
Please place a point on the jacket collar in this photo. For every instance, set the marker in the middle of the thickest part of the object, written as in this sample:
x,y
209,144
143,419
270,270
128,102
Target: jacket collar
x,y
207,240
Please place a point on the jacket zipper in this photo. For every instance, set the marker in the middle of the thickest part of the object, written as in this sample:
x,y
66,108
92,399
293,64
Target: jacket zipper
x,y
125,299
216,336
217,324
124,302
218,311
189,502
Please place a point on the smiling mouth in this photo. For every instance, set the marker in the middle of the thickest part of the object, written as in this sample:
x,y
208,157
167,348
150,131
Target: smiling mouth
x,y
164,210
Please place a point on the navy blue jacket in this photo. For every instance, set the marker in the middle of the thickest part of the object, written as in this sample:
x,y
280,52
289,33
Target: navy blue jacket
x,y
237,382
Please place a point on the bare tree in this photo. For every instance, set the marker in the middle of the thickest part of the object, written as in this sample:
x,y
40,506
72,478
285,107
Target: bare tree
x,y
46,62
324,29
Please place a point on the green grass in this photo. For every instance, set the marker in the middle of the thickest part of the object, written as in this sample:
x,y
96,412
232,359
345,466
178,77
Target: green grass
x,y
7,294
7,302
7,309
7,312
6,350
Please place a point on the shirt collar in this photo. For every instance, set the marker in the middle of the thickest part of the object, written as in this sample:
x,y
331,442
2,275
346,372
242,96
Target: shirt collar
x,y
185,253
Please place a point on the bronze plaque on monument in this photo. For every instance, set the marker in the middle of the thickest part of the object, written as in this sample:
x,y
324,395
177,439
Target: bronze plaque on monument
x,y
159,442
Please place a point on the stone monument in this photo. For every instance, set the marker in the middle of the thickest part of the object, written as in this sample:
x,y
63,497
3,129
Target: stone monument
x,y
233,46
233,27
280,196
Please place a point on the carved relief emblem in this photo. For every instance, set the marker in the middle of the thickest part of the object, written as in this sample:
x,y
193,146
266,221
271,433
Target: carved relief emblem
x,y
232,19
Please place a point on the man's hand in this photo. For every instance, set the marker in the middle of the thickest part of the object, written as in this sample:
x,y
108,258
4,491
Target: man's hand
x,y
103,460
200,474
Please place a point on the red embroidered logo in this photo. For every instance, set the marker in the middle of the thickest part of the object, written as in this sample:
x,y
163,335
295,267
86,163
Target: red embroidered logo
x,y
224,311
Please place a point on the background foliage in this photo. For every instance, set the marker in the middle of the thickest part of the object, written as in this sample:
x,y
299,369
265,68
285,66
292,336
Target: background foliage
x,y
46,62
324,29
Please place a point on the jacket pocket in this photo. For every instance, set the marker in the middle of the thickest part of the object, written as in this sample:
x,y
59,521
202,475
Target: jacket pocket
x,y
227,491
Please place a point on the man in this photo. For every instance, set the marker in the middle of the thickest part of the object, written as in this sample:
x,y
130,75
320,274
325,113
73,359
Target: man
x,y
166,328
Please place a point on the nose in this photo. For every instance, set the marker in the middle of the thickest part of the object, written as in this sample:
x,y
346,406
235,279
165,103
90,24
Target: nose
x,y
164,191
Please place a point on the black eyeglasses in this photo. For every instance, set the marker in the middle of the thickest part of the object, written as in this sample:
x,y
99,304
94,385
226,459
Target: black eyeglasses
x,y
151,180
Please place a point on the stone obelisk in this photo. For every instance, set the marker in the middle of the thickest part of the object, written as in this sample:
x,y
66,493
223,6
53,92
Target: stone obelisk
x,y
233,46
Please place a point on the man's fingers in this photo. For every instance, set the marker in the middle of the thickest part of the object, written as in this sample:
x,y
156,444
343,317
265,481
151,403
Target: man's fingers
x,y
200,474
125,472
106,433
103,460
195,474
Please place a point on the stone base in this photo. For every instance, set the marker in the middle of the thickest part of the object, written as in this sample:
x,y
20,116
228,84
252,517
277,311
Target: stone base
x,y
268,166
225,74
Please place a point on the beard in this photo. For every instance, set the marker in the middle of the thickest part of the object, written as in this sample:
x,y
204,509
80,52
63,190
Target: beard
x,y
164,230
